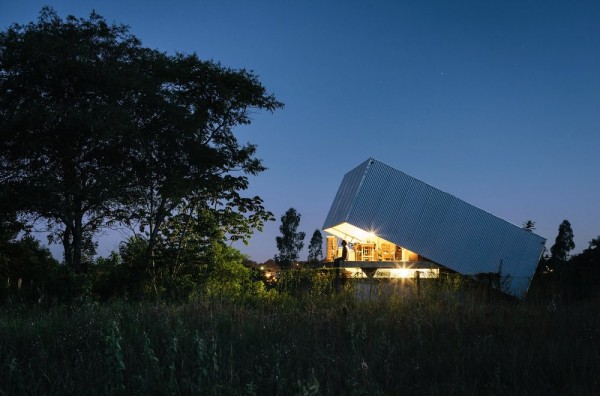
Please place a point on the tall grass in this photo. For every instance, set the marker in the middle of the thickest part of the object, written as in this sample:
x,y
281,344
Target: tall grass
x,y
433,344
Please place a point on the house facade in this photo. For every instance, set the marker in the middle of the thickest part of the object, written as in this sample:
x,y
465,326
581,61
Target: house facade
x,y
402,227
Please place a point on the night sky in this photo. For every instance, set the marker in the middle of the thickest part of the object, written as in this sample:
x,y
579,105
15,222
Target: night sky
x,y
494,102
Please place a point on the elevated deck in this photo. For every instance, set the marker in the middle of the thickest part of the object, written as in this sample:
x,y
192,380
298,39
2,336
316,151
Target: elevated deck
x,y
391,269
390,264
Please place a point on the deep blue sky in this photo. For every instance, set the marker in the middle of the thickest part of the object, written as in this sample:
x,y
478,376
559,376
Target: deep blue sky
x,y
495,102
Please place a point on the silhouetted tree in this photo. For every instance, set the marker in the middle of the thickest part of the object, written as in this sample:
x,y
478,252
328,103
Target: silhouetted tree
x,y
291,242
583,276
67,91
563,243
189,163
315,247
97,129
553,277
529,225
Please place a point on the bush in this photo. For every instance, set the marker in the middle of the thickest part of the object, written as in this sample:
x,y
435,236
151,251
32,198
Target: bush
x,y
26,270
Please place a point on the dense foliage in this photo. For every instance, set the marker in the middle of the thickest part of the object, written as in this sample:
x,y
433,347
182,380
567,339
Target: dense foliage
x,y
563,243
574,279
97,130
315,248
291,241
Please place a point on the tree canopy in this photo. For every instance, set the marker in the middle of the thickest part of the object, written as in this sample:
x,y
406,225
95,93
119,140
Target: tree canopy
x,y
315,247
97,129
291,241
563,243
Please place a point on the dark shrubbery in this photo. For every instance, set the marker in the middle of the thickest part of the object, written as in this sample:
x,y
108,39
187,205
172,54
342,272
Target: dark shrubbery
x,y
30,274
319,344
25,269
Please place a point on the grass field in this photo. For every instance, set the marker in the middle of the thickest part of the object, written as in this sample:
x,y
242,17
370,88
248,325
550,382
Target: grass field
x,y
316,344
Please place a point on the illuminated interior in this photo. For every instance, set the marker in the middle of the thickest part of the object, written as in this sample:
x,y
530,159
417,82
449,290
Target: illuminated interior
x,y
367,250
350,233
396,273
407,273
364,245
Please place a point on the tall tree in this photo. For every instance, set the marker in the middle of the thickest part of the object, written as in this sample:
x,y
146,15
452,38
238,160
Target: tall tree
x,y
189,161
563,243
292,241
67,89
96,128
315,247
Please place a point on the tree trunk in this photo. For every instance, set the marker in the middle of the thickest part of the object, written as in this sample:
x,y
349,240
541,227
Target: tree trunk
x,y
68,246
77,244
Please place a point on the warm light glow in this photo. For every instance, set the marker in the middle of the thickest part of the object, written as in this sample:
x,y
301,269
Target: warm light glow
x,y
384,249
353,234
349,233
407,273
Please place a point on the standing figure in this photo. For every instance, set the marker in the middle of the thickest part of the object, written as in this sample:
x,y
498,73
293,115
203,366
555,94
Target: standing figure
x,y
336,265
342,258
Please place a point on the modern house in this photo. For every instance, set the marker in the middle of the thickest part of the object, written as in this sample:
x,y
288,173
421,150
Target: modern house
x,y
398,226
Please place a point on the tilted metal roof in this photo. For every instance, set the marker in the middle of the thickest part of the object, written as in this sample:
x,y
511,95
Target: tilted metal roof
x,y
377,198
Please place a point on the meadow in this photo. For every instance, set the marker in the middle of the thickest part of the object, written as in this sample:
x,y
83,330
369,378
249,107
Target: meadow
x,y
309,343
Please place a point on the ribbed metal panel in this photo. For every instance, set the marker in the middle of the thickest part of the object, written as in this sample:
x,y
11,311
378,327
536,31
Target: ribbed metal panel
x,y
345,196
403,210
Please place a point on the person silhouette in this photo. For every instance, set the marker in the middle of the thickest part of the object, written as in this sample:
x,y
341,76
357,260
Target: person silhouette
x,y
336,265
342,258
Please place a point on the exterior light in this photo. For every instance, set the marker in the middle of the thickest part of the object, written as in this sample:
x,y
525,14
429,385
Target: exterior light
x,y
407,273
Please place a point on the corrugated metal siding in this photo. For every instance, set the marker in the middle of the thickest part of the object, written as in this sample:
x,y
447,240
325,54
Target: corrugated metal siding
x,y
435,224
345,196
